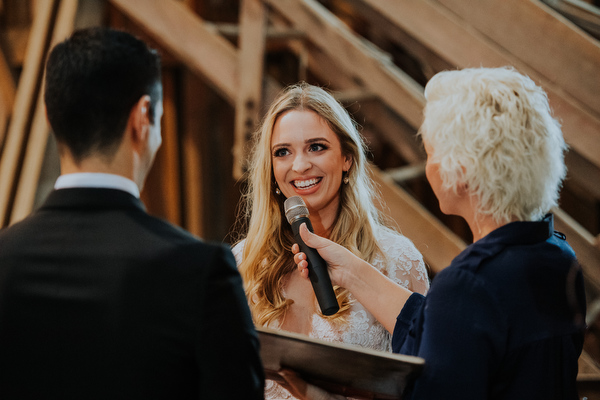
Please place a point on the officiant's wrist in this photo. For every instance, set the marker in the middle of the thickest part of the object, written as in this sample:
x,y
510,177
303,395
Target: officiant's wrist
x,y
353,274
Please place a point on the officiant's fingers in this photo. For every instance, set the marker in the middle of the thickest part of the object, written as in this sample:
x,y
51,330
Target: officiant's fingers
x,y
300,260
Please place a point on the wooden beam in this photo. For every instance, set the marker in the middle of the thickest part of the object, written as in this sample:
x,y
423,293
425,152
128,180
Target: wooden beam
x,y
232,31
583,14
542,39
463,46
433,239
38,136
376,73
185,35
583,173
193,148
7,96
15,44
395,131
25,101
406,173
162,192
253,26
584,244
381,28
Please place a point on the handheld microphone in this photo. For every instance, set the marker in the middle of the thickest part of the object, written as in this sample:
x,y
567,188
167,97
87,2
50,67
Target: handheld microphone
x,y
296,213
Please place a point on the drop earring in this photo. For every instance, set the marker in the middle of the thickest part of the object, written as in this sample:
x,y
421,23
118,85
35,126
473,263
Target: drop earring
x,y
346,179
277,191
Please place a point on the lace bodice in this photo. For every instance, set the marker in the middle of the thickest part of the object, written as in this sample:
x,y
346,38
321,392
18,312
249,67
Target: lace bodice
x,y
404,266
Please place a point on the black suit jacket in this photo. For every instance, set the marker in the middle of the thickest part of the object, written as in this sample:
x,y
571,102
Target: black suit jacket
x,y
99,300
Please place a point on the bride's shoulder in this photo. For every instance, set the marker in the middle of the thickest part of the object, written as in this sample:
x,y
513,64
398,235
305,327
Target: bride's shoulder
x,y
394,244
388,237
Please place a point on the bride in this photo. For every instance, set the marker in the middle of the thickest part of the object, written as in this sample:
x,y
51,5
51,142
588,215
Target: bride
x,y
308,146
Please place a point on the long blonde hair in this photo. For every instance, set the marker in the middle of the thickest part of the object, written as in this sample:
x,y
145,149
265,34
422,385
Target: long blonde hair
x,y
267,257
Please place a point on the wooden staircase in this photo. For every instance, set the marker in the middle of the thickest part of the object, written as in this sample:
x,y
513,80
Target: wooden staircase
x,y
223,64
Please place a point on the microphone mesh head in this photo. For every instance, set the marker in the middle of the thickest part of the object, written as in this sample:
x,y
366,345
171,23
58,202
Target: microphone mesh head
x,y
295,207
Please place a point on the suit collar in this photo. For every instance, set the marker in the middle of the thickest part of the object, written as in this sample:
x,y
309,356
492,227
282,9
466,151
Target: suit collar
x,y
91,198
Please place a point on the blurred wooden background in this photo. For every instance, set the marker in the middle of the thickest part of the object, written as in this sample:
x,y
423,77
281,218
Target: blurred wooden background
x,y
224,60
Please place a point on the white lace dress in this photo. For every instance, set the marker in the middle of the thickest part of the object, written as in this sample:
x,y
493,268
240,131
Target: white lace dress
x,y
405,267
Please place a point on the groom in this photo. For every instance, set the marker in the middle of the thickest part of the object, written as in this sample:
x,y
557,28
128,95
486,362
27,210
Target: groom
x,y
99,300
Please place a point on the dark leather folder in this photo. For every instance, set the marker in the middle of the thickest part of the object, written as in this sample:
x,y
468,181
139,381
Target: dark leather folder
x,y
338,368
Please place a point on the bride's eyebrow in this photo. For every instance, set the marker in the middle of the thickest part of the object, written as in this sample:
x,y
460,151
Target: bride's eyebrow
x,y
319,139
278,145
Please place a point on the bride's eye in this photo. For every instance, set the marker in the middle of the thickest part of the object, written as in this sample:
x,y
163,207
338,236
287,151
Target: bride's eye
x,y
317,147
280,152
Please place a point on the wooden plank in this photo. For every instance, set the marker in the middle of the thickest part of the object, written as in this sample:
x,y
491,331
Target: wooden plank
x,y
171,172
7,96
38,136
463,46
381,28
396,132
433,239
253,24
15,44
184,34
542,39
194,95
584,244
376,73
232,31
25,101
162,191
583,14
583,173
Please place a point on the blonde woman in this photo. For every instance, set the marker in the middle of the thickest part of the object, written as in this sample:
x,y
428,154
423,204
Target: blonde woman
x,y
309,146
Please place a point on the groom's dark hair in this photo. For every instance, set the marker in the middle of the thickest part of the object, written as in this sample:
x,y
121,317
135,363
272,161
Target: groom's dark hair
x,y
93,79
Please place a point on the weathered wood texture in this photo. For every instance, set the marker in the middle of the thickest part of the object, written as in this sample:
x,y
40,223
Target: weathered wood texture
x,y
178,29
585,246
162,190
456,40
35,146
7,96
347,51
251,43
25,103
434,240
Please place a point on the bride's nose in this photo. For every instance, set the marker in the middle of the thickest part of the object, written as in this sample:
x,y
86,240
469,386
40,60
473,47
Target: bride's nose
x,y
301,163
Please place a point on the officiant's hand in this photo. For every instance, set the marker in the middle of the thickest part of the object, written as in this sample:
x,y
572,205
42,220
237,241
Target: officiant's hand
x,y
303,390
341,262
381,296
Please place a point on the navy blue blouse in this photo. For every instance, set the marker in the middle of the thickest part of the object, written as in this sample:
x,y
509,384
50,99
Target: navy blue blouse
x,y
504,321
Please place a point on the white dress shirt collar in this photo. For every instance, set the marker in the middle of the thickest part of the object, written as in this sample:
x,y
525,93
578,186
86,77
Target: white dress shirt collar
x,y
97,180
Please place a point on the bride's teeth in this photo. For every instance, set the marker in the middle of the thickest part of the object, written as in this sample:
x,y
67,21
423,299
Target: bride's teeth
x,y
304,184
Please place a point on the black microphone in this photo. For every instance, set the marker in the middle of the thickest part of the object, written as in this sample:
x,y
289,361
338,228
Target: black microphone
x,y
297,213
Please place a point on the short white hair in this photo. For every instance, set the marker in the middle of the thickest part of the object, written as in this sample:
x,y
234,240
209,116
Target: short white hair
x,y
492,129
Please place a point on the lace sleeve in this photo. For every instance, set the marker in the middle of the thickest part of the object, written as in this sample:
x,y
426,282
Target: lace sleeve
x,y
402,262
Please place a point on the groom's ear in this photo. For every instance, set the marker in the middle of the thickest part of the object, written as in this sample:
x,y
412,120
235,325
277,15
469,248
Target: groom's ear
x,y
139,121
